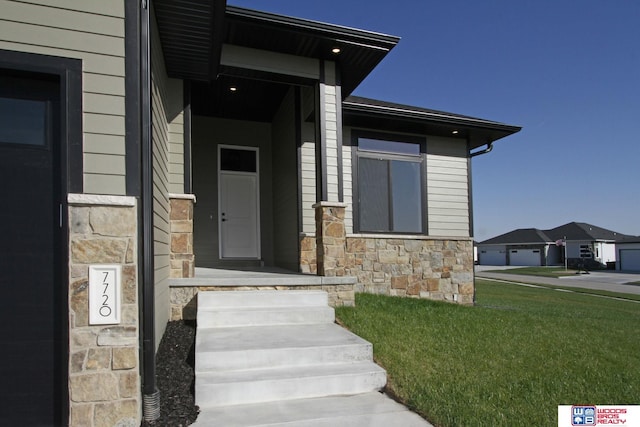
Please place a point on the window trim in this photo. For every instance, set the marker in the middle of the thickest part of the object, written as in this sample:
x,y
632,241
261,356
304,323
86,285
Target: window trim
x,y
356,154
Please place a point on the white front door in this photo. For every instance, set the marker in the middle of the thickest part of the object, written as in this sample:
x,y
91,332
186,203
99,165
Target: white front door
x,y
239,222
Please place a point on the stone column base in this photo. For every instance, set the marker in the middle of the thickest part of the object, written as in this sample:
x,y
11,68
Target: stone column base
x,y
182,259
330,239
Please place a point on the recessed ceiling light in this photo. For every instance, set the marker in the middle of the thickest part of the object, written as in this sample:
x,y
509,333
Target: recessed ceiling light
x,y
233,88
336,50
455,132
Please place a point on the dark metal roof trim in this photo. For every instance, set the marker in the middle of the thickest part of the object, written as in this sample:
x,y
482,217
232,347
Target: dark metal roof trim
x,y
370,106
366,38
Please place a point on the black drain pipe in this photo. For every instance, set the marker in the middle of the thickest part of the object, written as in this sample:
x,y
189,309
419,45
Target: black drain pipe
x,y
151,395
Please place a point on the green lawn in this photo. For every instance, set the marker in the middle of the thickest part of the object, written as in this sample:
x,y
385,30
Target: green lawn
x,y
518,354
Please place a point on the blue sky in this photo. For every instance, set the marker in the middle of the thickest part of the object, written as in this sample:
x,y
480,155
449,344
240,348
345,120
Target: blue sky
x,y
567,71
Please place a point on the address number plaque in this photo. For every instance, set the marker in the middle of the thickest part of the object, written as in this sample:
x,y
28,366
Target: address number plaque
x,y
104,294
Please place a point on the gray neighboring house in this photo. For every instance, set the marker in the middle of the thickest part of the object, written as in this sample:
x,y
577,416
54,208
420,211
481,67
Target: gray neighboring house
x,y
628,253
583,245
524,246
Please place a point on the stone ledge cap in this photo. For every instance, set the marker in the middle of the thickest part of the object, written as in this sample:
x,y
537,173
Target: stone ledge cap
x,y
330,205
183,196
406,237
100,200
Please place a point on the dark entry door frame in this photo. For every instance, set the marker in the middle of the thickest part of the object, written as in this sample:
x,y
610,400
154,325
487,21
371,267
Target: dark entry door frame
x,y
64,75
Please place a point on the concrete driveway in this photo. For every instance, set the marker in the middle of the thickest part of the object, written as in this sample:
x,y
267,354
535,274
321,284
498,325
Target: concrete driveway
x,y
606,280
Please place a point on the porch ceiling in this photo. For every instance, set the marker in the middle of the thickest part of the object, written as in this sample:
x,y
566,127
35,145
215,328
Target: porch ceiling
x,y
192,33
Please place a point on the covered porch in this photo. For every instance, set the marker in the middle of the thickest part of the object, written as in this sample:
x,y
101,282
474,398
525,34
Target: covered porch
x,y
262,133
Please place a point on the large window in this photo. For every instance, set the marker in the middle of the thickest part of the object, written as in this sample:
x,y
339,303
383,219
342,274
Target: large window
x,y
389,185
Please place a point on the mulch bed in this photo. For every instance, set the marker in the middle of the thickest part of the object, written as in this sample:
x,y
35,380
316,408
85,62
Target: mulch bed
x,y
175,362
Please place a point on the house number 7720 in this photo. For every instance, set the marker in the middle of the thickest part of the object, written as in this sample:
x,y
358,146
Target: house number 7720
x,y
104,294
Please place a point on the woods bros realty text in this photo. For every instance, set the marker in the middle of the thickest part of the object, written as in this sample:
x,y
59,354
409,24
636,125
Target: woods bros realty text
x,y
598,415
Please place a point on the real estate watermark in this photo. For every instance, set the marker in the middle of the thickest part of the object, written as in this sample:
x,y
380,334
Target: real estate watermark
x,y
598,415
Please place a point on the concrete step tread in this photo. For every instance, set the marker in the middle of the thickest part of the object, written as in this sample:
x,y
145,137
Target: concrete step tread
x,y
262,316
368,409
274,337
263,308
288,372
284,298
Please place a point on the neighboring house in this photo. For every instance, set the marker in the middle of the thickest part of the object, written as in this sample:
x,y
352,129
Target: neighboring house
x,y
524,246
628,253
117,114
582,244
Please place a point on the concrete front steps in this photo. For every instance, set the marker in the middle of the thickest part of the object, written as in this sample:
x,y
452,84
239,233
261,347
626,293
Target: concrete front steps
x,y
371,409
276,358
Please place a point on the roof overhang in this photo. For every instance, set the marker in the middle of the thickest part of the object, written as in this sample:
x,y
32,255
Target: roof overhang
x,y
363,112
192,33
191,36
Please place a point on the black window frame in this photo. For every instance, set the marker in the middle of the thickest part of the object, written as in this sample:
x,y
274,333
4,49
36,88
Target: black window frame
x,y
420,158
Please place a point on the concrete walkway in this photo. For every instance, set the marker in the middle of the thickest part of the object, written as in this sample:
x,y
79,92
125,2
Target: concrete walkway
x,y
597,280
277,358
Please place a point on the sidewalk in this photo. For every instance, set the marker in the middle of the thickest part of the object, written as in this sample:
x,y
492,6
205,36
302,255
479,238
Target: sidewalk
x,y
597,280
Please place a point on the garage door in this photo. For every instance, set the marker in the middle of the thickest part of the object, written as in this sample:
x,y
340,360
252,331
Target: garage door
x,y
488,257
524,257
630,259
30,308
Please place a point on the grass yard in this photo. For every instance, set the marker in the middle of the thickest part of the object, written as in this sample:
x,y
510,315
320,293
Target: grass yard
x,y
510,360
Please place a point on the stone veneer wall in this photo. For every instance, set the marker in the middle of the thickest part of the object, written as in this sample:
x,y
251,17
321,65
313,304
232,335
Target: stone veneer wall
x,y
181,225
308,254
439,269
104,372
424,268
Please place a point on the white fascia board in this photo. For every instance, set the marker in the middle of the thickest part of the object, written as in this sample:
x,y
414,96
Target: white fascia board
x,y
272,62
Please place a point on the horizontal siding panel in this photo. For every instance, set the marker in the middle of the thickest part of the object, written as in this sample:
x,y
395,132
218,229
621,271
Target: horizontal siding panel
x,y
94,63
448,204
99,83
448,219
446,162
435,230
104,164
436,183
435,212
176,138
446,198
452,173
51,16
104,184
103,104
100,123
176,168
175,148
176,187
446,191
105,144
308,174
105,7
54,37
